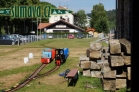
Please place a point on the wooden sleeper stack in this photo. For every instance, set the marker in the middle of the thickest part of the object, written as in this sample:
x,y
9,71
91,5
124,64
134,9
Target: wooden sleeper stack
x,y
112,64
117,66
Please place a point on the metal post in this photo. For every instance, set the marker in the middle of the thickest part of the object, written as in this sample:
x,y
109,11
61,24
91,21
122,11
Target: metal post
x,y
24,25
37,29
18,41
32,24
8,30
40,28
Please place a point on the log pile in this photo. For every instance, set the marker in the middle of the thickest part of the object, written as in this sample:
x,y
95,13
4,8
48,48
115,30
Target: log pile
x,y
112,64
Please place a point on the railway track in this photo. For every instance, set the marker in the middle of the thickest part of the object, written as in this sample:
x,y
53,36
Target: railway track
x,y
33,76
48,72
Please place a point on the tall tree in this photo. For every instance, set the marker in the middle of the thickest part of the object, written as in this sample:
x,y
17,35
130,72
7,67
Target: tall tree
x,y
112,18
42,4
99,19
81,20
101,25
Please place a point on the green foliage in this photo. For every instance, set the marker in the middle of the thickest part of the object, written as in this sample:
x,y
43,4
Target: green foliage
x,y
101,25
99,19
111,15
2,31
81,20
111,18
46,3
42,4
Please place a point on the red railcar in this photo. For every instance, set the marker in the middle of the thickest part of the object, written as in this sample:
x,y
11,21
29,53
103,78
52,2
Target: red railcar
x,y
48,55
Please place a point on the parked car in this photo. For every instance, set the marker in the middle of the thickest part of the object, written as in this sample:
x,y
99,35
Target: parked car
x,y
71,36
50,36
5,40
80,35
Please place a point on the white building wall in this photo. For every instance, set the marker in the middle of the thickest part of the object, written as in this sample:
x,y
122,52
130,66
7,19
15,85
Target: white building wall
x,y
55,18
88,21
70,30
90,32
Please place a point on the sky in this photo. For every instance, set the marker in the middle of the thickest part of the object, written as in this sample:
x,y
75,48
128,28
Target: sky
x,y
86,5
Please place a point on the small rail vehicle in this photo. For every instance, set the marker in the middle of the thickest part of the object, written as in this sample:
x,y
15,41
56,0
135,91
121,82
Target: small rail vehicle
x,y
61,56
48,55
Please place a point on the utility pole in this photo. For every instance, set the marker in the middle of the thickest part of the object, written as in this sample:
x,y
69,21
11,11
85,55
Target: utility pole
x,y
37,28
40,25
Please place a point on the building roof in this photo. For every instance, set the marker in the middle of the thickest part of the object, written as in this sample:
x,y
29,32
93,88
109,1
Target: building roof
x,y
43,25
63,21
90,29
63,8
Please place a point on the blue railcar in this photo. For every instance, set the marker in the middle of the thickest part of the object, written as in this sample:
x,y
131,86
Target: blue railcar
x,y
66,52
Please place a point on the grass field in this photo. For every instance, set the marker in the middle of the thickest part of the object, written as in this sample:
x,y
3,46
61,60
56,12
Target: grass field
x,y
13,70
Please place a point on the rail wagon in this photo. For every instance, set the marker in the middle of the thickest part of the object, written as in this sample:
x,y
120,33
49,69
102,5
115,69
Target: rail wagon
x,y
61,56
48,55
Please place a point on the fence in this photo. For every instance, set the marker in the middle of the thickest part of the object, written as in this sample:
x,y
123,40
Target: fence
x,y
65,35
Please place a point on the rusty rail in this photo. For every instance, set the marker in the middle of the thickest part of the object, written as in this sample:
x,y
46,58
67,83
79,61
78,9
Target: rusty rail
x,y
31,77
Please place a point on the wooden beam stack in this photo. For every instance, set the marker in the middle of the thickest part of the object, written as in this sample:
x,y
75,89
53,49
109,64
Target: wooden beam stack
x,y
116,72
112,64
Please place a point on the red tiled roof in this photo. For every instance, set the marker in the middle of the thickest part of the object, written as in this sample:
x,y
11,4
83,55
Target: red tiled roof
x,y
43,25
90,29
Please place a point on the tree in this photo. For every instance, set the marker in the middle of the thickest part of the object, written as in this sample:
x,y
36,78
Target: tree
x,y
46,4
112,18
81,20
101,25
99,19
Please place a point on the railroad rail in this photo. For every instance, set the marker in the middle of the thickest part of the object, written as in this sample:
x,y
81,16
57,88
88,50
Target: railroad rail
x,y
33,76
47,73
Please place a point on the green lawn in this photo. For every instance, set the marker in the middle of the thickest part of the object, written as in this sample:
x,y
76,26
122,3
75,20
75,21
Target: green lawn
x,y
71,62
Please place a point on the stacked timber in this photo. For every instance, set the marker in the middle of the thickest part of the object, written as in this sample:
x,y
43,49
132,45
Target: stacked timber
x,y
116,72
126,49
112,64
85,65
89,63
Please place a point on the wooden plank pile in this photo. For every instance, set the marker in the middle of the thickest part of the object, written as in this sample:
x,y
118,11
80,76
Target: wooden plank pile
x,y
112,64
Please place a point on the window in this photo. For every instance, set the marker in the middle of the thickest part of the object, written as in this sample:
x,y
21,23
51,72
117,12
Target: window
x,y
55,18
67,18
60,17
